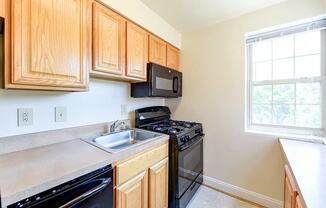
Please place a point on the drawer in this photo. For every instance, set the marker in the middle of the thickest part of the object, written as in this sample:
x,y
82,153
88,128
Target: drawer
x,y
133,166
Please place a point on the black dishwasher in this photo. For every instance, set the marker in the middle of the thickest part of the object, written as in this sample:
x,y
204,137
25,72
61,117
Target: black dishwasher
x,y
93,190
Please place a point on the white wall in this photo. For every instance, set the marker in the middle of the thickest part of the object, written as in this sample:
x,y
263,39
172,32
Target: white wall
x,y
213,62
143,15
101,104
103,101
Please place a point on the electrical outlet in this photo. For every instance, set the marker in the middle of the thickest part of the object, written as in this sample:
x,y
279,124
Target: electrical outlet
x,y
60,114
25,116
124,109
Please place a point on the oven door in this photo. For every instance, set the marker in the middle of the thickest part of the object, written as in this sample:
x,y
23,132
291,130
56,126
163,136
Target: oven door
x,y
190,164
165,82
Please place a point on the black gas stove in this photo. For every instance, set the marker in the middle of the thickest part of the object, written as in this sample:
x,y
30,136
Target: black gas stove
x,y
185,151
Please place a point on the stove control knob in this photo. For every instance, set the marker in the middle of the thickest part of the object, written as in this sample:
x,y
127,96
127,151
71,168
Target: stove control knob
x,y
183,140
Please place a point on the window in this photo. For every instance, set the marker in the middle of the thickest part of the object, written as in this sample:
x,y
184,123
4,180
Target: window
x,y
285,80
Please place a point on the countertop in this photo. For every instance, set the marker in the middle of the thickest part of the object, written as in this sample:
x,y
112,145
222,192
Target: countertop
x,y
28,172
307,162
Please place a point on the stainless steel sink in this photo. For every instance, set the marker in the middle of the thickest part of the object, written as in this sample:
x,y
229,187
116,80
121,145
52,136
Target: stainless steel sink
x,y
117,141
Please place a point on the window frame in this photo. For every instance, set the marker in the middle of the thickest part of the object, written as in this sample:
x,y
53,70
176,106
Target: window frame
x,y
273,129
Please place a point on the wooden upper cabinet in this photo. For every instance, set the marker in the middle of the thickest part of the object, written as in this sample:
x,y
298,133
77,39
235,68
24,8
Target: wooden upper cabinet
x,y
172,57
158,184
50,48
2,8
109,41
137,51
133,193
157,50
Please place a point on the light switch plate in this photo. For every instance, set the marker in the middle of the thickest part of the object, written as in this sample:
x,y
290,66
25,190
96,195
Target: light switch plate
x,y
25,116
60,114
124,109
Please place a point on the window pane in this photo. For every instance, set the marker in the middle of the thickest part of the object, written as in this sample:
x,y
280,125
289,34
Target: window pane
x,y
263,71
283,115
308,93
262,51
283,69
262,114
283,94
307,43
283,47
262,94
307,66
308,116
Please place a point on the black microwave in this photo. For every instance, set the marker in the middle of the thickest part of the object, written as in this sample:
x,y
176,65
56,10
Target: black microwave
x,y
161,82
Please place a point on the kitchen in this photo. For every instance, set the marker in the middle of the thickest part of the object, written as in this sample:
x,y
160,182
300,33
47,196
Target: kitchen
x,y
45,126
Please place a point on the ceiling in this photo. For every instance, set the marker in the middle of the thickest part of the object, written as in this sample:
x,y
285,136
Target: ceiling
x,y
185,15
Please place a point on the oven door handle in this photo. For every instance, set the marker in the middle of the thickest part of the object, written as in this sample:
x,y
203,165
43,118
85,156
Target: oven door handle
x,y
183,148
96,189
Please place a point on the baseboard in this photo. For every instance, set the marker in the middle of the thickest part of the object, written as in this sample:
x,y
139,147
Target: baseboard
x,y
243,193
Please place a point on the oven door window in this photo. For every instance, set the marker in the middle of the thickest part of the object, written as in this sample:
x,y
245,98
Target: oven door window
x,y
190,165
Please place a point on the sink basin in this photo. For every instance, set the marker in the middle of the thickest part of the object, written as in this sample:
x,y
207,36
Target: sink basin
x,y
117,141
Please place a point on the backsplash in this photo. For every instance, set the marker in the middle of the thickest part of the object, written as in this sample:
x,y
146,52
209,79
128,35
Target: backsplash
x,y
102,103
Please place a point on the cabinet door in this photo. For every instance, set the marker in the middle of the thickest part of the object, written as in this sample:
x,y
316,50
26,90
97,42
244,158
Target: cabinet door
x,y
51,48
298,203
137,51
158,184
2,8
133,193
172,57
290,192
109,45
157,50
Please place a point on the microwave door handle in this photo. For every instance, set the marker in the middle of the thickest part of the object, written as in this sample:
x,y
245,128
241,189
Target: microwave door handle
x,y
94,190
175,84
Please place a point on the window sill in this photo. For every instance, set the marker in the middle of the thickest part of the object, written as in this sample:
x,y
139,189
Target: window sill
x,y
305,138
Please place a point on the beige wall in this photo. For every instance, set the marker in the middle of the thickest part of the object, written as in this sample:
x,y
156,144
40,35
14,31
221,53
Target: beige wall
x,y
213,62
138,12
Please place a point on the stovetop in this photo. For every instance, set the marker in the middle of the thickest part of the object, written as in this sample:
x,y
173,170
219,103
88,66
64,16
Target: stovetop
x,y
158,119
173,128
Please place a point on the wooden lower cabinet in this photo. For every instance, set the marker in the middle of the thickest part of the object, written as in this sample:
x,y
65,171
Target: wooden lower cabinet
x,y
142,181
292,198
289,194
298,203
133,193
158,184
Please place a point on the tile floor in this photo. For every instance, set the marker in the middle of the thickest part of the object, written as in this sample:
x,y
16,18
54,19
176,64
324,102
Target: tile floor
x,y
208,198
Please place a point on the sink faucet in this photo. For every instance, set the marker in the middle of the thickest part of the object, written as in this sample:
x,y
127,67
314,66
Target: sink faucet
x,y
115,125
